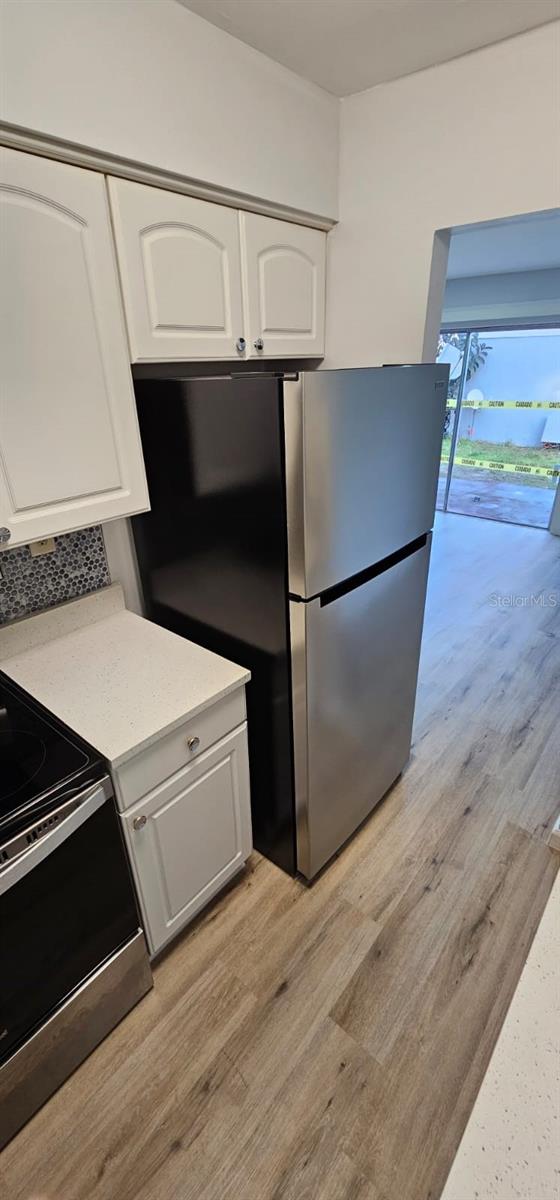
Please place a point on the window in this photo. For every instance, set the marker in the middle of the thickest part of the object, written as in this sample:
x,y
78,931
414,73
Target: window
x,y
501,444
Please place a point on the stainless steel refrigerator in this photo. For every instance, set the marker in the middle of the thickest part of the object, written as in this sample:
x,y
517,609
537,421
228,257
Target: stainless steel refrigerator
x,y
290,531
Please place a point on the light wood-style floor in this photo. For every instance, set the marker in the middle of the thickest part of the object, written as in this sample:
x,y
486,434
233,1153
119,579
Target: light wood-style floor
x,y
328,1043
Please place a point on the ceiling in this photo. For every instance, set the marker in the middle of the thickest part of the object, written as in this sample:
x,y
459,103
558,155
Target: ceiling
x,y
347,46
526,243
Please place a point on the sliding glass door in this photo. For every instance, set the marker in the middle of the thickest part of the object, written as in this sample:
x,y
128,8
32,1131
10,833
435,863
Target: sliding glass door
x,y
501,444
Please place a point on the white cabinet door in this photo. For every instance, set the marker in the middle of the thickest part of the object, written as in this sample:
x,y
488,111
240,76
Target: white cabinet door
x,y
189,836
70,452
180,272
284,284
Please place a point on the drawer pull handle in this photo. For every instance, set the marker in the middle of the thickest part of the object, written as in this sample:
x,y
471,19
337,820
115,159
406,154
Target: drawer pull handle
x,y
193,743
139,822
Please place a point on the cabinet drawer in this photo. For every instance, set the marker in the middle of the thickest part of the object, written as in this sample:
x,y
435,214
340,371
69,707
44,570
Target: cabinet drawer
x,y
190,836
169,754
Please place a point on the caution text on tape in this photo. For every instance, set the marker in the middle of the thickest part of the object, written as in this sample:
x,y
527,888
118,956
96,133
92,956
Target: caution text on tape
x,y
514,468
526,404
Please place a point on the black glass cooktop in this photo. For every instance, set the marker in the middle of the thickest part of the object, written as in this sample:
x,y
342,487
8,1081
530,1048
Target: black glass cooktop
x,y
40,760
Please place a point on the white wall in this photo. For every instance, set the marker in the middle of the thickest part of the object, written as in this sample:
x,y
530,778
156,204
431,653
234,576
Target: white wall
x,y
149,80
473,140
520,365
515,296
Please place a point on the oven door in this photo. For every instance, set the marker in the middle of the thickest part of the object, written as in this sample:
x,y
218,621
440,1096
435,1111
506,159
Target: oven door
x,y
66,906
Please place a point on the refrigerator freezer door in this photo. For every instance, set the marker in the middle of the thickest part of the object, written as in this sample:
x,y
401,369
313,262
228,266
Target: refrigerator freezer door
x,y
362,460
354,672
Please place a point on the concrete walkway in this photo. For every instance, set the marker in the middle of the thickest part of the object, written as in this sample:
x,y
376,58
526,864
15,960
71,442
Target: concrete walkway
x,y
482,494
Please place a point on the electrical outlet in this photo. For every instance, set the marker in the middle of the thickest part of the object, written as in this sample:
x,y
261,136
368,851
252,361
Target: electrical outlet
x,y
45,546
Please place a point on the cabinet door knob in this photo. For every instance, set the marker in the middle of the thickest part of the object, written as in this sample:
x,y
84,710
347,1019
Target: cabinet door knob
x,y
240,345
193,743
258,344
5,535
139,822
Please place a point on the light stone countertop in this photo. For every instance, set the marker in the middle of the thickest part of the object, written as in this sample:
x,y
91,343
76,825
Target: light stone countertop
x,y
511,1147
118,680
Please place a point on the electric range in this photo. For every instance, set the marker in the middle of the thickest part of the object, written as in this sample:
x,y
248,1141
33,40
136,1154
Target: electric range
x,y
74,959
42,764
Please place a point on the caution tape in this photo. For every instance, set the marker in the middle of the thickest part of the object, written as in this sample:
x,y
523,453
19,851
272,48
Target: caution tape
x,y
526,404
514,468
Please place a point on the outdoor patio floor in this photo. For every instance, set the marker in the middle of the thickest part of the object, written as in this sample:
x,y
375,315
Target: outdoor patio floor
x,y
482,494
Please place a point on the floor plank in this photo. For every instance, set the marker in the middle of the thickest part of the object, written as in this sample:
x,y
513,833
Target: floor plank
x,y
446,1028
327,1043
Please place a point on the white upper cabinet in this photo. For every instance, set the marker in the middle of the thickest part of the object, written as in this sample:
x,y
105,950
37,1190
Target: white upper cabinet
x,y
284,283
70,452
180,273
203,281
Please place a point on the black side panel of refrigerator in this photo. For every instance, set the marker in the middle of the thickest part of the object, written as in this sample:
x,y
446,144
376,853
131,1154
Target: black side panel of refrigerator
x,y
212,555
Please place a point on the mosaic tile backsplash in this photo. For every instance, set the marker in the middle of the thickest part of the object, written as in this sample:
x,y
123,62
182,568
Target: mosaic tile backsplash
x,y
78,565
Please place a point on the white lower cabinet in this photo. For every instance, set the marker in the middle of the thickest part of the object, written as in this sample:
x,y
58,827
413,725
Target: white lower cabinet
x,y
189,836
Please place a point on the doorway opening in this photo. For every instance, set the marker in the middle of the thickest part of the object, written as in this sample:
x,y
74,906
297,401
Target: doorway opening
x,y
496,285
500,454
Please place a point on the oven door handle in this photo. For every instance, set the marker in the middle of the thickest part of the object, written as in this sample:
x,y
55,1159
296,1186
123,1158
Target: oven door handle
x,y
20,866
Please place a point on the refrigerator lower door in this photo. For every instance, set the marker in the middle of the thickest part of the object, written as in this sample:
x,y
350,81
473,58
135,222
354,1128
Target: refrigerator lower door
x,y
354,672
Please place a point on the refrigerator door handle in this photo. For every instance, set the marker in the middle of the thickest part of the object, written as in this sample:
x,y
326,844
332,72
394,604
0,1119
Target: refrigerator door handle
x,y
385,564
